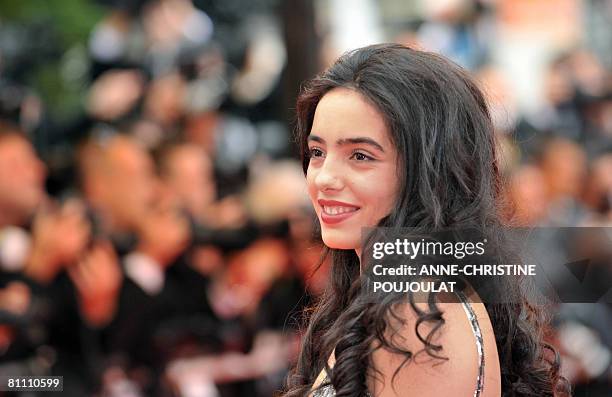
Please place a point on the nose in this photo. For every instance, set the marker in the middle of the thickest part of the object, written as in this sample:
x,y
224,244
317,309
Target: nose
x,y
329,176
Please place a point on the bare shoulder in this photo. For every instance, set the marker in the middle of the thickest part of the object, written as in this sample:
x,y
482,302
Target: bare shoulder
x,y
424,375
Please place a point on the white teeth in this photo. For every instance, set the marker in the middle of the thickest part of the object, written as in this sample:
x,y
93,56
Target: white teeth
x,y
338,210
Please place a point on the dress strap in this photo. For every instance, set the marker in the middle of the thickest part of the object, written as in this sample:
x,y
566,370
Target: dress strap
x,y
479,341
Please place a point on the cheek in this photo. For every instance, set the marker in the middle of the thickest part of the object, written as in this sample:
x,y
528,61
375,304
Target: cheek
x,y
312,189
381,196
391,189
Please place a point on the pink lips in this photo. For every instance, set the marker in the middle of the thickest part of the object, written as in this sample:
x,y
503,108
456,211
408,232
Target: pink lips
x,y
335,218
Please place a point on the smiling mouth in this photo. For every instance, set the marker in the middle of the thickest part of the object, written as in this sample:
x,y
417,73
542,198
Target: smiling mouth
x,y
337,210
333,214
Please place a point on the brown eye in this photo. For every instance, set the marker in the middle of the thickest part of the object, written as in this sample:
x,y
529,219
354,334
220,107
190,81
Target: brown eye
x,y
315,152
361,157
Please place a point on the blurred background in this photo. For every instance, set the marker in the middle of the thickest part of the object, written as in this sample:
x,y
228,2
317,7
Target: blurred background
x,y
155,234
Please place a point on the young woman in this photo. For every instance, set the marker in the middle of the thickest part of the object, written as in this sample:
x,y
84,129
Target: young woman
x,y
395,137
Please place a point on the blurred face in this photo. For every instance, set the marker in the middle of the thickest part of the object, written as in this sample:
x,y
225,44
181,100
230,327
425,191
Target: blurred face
x,y
190,176
352,175
131,184
528,194
564,168
164,100
22,177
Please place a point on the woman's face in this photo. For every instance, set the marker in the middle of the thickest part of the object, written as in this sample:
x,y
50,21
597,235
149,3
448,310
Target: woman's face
x,y
352,175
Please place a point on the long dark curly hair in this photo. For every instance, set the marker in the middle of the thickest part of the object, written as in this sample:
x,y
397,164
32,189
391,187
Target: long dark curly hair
x,y
441,127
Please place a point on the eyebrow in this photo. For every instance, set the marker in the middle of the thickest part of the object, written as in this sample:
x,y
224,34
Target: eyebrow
x,y
349,141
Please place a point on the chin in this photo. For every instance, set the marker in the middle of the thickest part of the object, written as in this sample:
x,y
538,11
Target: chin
x,y
339,240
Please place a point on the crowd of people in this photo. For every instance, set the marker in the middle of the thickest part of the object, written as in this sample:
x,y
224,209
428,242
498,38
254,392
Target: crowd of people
x,y
144,270
161,241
